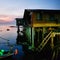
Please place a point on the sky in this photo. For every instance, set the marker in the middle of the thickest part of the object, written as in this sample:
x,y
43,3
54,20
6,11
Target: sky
x,y
11,9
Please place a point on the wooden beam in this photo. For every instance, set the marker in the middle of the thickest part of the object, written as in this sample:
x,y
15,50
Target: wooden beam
x,y
46,25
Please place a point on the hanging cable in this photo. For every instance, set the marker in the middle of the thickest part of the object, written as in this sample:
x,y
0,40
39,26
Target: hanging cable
x,y
4,38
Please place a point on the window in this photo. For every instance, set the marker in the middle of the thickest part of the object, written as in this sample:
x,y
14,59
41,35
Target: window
x,y
39,16
52,18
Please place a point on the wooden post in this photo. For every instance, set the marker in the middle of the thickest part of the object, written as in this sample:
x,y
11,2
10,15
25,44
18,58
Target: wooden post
x,y
18,30
32,37
38,34
52,46
43,32
52,40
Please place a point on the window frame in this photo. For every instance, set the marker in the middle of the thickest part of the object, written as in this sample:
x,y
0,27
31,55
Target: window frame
x,y
39,16
52,18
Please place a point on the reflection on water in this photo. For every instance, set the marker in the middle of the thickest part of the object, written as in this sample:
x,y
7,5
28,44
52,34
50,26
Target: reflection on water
x,y
11,38
8,38
9,35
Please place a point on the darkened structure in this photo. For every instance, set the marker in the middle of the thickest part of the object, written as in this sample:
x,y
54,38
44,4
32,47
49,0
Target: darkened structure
x,y
41,29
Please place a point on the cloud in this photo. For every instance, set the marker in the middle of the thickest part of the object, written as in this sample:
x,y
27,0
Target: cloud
x,y
8,19
5,18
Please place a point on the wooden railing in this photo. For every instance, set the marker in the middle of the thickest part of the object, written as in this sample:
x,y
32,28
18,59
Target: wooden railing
x,y
44,42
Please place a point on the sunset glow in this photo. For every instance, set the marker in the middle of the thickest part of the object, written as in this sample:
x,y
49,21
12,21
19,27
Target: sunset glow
x,y
6,19
10,9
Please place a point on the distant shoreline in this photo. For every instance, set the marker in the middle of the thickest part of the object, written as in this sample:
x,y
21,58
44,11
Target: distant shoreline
x,y
12,26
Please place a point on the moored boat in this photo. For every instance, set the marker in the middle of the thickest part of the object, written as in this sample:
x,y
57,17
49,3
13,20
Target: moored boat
x,y
6,54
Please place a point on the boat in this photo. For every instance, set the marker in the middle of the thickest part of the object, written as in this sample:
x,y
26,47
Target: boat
x,y
5,54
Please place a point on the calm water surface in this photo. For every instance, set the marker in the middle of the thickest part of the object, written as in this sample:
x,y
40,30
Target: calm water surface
x,y
10,35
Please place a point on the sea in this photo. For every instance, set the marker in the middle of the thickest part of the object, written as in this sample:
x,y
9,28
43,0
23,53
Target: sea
x,y
8,36
8,40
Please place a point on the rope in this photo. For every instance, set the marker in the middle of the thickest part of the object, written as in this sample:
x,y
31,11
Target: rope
x,y
6,42
4,38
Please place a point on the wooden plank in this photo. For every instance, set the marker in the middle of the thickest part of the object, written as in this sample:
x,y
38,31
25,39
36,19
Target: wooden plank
x,y
46,25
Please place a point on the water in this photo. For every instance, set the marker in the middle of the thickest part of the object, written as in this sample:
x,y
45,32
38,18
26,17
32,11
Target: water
x,y
10,35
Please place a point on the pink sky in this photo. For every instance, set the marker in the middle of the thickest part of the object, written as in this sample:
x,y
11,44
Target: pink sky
x,y
9,18
11,9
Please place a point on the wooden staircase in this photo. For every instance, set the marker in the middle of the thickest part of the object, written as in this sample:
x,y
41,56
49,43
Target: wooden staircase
x,y
46,39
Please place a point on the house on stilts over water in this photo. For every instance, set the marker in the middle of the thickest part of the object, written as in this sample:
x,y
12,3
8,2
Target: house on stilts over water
x,y
40,30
